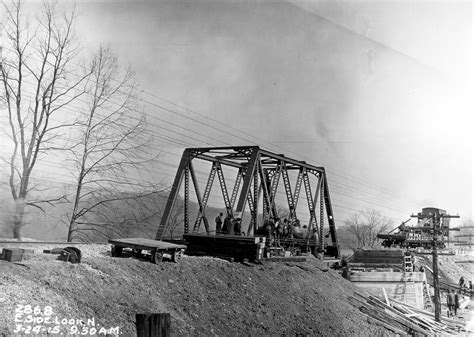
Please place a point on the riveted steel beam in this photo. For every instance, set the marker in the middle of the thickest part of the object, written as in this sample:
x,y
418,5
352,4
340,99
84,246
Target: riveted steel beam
x,y
163,227
202,202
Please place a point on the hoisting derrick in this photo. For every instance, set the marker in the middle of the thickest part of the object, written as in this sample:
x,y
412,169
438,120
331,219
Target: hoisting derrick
x,y
418,235
257,179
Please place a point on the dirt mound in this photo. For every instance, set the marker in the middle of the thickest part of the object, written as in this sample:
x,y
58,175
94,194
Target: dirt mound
x,y
205,296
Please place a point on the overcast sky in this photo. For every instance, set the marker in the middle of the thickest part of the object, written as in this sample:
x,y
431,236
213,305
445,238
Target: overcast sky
x,y
375,91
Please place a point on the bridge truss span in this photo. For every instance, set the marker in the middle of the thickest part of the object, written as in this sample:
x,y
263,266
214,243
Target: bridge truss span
x,y
250,180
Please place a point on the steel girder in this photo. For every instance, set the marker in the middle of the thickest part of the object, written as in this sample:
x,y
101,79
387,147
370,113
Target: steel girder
x,y
258,173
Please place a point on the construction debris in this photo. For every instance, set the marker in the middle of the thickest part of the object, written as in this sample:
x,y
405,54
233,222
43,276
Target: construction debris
x,y
70,254
12,254
16,254
404,319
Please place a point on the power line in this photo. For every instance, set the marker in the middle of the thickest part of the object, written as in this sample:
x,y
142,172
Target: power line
x,y
171,111
344,176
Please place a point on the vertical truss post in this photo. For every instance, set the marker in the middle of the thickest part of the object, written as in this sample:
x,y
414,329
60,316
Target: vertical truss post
x,y
256,196
185,160
202,202
253,204
186,200
321,213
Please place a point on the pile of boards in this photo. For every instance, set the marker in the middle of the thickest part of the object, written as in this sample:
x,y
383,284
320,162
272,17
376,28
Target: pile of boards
x,y
404,319
378,259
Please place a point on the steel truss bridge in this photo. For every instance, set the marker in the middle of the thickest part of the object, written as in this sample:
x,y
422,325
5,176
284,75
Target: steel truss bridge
x,y
258,176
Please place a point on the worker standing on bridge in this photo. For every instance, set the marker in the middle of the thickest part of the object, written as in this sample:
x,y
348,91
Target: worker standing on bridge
x,y
227,224
219,223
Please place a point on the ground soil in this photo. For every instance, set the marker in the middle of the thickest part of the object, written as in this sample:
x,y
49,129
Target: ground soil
x,y
205,296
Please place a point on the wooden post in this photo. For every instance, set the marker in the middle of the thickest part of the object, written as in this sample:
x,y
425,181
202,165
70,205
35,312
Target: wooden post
x,y
437,302
153,325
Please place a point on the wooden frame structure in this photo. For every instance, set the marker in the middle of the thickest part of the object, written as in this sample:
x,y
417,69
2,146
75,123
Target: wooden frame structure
x,y
259,175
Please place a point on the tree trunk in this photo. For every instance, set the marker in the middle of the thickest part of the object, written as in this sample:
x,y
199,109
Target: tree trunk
x,y
18,219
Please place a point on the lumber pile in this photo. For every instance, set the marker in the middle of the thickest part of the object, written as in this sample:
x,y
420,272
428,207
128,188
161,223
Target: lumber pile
x,y
403,319
234,247
378,257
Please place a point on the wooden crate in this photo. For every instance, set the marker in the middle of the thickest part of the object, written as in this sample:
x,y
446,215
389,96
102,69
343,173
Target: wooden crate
x,y
12,254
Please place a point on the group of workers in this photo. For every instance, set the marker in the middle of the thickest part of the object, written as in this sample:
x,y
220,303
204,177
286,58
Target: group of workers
x,y
453,297
228,225
463,283
452,300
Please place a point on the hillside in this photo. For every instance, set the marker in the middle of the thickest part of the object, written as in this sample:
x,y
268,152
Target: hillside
x,y
205,296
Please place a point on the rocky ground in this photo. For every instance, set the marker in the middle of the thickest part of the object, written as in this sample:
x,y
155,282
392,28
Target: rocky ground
x,y
205,296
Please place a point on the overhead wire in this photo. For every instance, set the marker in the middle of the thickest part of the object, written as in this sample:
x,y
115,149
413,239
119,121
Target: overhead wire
x,y
171,111
234,129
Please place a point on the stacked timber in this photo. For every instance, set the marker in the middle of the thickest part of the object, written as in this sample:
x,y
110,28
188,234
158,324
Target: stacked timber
x,y
404,319
376,259
379,256
238,248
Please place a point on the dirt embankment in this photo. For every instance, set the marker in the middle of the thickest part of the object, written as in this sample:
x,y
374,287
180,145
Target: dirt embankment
x,y
205,296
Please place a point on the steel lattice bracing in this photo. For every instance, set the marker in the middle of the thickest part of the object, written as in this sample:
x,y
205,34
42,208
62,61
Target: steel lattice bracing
x,y
256,184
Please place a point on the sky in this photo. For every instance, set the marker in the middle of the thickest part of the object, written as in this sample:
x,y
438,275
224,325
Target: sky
x,y
377,92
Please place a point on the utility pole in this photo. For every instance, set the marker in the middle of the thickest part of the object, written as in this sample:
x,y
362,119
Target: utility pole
x,y
435,231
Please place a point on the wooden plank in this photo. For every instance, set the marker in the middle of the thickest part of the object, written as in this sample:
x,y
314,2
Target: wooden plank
x,y
386,297
377,303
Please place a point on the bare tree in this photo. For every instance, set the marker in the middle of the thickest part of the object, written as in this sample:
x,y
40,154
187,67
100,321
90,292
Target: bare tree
x,y
365,226
176,219
112,151
37,81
